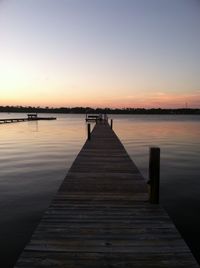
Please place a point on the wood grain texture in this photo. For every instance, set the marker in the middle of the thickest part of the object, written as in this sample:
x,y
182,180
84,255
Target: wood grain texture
x,y
101,217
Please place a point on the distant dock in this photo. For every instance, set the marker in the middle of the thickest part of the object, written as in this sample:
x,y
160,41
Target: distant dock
x,y
30,117
101,216
95,117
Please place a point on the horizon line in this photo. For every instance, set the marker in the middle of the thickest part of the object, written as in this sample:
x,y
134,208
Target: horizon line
x,y
95,108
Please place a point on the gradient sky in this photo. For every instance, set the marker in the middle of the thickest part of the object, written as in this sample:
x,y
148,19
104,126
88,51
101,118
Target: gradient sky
x,y
113,53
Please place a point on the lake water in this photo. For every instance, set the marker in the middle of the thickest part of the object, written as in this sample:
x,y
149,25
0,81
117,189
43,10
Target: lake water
x,y
35,157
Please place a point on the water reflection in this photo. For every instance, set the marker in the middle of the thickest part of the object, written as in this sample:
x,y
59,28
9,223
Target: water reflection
x,y
178,139
34,160
33,126
35,157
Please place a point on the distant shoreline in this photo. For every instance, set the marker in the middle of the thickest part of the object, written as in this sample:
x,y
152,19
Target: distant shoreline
x,y
84,110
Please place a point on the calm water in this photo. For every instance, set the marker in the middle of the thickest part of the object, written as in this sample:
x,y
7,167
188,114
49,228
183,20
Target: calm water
x,y
35,157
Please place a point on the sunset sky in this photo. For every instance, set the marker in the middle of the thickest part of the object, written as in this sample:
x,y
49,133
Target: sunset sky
x,y
105,53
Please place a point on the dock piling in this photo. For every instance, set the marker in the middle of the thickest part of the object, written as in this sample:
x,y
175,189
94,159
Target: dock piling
x,y
111,124
154,174
89,131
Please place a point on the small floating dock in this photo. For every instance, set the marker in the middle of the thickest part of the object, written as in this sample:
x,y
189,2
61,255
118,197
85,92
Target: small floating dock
x,y
30,117
101,216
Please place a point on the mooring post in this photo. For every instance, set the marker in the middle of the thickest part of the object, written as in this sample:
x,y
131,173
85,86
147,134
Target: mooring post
x,y
111,124
89,134
154,174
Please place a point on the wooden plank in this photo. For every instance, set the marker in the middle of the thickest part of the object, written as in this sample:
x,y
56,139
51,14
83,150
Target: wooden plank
x,y
101,217
79,259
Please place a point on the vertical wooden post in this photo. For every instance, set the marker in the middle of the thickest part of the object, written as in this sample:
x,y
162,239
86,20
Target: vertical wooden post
x,y
111,124
88,130
154,174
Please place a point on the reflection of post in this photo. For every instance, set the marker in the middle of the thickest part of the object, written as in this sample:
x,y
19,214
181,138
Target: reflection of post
x,y
154,174
34,123
89,134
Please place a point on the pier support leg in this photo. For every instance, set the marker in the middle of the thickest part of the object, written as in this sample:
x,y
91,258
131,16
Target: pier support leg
x,y
88,131
154,174
111,124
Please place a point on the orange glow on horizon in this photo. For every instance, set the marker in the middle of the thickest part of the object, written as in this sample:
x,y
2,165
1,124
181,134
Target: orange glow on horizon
x,y
148,100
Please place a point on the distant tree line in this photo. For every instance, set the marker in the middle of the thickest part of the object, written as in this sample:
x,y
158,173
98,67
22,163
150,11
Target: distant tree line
x,y
83,110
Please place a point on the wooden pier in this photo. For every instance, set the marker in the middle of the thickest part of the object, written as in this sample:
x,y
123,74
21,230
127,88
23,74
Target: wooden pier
x,y
101,216
30,117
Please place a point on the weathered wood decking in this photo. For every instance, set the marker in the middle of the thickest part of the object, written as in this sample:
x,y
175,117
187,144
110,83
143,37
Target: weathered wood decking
x,y
101,216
